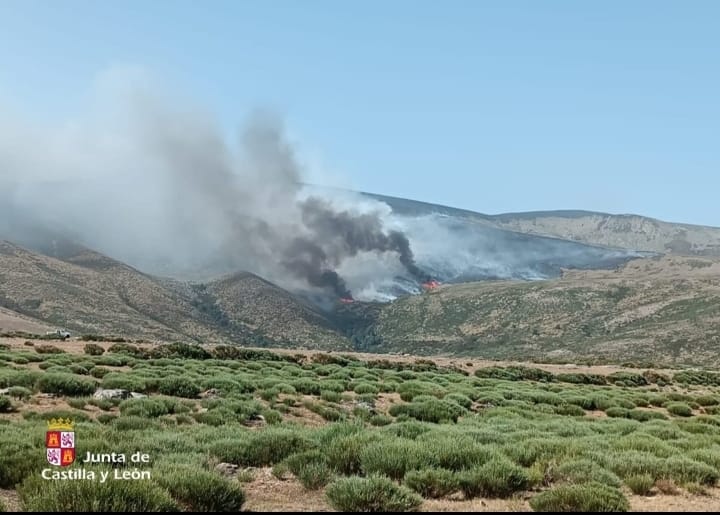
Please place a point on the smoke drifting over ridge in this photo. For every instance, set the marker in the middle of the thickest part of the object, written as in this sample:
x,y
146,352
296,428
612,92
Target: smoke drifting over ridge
x,y
158,187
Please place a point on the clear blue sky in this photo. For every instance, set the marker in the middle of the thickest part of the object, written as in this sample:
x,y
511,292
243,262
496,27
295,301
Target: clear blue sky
x,y
492,106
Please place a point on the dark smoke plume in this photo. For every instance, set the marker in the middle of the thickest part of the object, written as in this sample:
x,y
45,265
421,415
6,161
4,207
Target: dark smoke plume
x,y
156,185
346,233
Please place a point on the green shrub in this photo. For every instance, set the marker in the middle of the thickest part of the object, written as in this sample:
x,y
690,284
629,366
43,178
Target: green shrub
x,y
686,470
128,349
498,477
200,490
640,484
596,379
411,389
24,378
585,471
569,410
364,388
37,494
179,387
380,420
78,369
679,409
99,372
78,403
146,408
133,424
515,373
18,460
632,463
617,412
311,468
432,483
630,379
66,384
586,497
48,349
19,392
391,457
371,494
343,453
6,405
430,410
180,350
262,448
106,418
644,416
330,396
460,399
93,349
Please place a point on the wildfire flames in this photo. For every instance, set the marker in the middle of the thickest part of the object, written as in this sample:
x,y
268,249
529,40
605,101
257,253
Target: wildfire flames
x,y
347,300
431,285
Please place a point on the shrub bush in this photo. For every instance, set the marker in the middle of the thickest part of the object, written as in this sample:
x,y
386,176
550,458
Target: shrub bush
x,y
640,484
432,483
498,477
260,449
371,494
48,349
430,410
65,384
93,349
311,469
585,471
587,497
179,387
18,460
391,457
363,388
37,494
19,392
685,470
679,409
24,378
6,405
200,490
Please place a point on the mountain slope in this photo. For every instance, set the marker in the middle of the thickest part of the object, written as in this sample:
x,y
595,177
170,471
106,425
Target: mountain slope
x,y
622,231
88,292
665,310
251,302
632,232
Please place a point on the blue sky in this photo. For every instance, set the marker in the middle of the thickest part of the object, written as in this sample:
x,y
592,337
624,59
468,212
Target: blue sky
x,y
493,106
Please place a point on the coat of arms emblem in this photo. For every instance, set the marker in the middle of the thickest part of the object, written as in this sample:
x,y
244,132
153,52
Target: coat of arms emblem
x,y
60,442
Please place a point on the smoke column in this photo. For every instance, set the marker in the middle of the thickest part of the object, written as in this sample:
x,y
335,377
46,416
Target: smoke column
x,y
154,183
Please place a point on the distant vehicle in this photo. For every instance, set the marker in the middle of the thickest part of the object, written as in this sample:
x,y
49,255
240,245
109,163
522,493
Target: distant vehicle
x,y
60,333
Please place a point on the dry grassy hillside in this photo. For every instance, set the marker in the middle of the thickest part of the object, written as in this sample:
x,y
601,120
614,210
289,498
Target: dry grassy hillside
x,y
89,293
263,308
665,310
93,294
623,231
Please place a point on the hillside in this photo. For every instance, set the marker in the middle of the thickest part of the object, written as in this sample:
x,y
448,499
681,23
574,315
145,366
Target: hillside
x,y
622,231
618,231
89,293
665,310
249,301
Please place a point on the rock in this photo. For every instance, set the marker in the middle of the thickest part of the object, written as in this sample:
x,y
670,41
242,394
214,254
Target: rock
x,y
112,394
226,469
136,395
